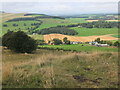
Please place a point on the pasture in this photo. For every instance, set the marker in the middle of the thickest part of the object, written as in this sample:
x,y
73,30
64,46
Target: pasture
x,y
50,22
36,37
80,48
58,69
95,31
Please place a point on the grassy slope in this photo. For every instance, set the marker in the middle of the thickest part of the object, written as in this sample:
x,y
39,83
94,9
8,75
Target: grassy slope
x,y
95,31
47,23
36,36
57,69
79,47
20,25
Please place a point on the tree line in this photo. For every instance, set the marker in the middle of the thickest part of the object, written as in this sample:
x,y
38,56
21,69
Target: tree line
x,y
100,24
60,30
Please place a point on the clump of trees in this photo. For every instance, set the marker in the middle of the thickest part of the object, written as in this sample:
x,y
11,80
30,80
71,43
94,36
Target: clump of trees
x,y
60,30
56,41
19,42
100,24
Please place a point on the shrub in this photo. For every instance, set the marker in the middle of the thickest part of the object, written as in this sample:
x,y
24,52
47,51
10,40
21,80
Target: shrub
x,y
19,42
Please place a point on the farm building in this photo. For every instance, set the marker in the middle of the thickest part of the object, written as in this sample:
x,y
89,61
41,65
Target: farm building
x,y
79,26
73,42
102,45
93,43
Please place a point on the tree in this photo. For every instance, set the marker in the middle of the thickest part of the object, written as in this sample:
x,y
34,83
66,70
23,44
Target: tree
x,y
6,38
66,41
5,25
24,24
57,41
98,40
19,42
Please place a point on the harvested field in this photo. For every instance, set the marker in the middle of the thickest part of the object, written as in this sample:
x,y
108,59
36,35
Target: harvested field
x,y
91,20
112,20
7,16
105,20
50,37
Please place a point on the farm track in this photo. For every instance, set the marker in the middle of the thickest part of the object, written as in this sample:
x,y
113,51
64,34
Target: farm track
x,y
50,37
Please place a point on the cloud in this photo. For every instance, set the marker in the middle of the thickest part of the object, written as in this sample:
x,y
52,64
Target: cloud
x,y
59,0
60,8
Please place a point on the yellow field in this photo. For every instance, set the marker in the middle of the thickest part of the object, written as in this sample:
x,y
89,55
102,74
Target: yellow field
x,y
50,37
105,20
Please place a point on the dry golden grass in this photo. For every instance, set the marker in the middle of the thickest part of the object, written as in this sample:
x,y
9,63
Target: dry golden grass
x,y
56,69
7,16
92,20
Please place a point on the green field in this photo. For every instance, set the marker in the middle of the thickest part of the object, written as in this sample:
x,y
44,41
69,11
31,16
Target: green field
x,y
20,25
117,36
85,48
36,37
95,31
49,22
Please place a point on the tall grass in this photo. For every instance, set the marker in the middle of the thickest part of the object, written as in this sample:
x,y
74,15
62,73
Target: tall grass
x,y
59,69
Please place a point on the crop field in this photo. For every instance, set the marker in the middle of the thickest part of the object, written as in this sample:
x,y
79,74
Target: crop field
x,y
48,22
50,37
58,69
84,48
95,31
20,25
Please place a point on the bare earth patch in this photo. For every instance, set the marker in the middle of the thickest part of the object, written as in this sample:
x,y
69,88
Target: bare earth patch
x,y
50,37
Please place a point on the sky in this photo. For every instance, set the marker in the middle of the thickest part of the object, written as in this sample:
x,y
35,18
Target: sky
x,y
60,7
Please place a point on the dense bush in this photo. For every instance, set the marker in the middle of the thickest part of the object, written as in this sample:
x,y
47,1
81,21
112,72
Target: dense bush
x,y
19,42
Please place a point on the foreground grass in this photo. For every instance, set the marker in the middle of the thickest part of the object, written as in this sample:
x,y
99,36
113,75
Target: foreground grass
x,y
79,47
58,69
